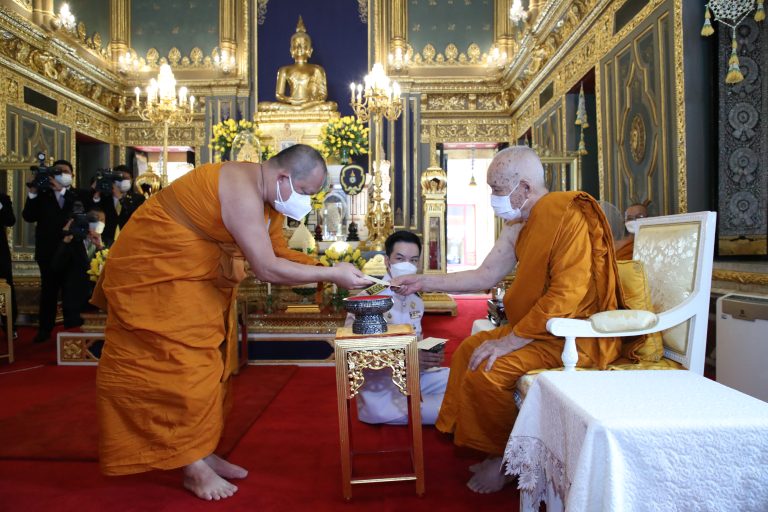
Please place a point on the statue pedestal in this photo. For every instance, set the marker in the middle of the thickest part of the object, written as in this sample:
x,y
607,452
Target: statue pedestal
x,y
285,128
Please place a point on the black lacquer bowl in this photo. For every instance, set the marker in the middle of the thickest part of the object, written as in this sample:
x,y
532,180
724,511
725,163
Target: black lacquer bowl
x,y
369,313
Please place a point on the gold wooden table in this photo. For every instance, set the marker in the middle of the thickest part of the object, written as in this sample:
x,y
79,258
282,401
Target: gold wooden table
x,y
6,311
398,351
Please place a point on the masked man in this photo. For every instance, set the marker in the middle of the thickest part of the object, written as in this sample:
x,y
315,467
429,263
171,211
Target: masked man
x,y
380,401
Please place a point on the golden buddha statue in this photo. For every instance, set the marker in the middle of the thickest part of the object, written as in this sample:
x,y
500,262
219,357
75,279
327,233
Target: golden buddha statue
x,y
306,84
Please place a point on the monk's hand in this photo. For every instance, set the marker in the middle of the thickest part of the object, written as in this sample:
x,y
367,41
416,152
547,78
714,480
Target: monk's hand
x,y
349,276
494,349
407,285
428,359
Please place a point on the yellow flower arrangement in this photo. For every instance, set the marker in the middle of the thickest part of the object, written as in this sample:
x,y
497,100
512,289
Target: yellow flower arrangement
x,y
344,137
267,152
97,264
317,199
226,131
342,252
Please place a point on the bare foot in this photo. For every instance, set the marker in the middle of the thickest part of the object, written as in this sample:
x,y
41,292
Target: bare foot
x,y
488,476
476,467
201,480
223,468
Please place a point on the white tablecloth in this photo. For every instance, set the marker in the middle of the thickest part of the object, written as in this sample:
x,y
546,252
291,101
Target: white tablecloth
x,y
641,440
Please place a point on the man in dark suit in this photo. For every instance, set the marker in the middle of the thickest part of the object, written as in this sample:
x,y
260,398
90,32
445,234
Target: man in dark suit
x,y
51,209
123,203
7,219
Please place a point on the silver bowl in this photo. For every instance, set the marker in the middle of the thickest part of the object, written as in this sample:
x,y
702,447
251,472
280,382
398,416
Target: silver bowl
x,y
369,313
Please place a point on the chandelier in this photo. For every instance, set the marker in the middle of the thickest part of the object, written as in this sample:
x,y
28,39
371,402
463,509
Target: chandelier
x,y
65,19
165,107
517,13
376,99
224,60
496,58
399,59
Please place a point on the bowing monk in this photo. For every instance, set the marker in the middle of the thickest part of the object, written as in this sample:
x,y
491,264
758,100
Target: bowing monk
x,y
169,285
563,252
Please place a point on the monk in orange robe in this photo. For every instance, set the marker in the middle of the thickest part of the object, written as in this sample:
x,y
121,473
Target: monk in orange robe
x,y
169,288
626,246
274,221
563,252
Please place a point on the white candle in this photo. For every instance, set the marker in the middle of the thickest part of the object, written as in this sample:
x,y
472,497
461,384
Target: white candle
x,y
191,102
269,288
352,89
183,95
138,95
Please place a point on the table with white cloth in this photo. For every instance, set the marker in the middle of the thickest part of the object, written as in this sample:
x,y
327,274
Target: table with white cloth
x,y
639,440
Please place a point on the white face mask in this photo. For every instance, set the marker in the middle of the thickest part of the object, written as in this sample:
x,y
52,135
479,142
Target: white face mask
x,y
404,268
297,206
64,179
97,227
631,226
503,208
124,185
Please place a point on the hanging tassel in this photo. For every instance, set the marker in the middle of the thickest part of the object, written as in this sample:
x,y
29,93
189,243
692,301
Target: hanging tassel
x,y
760,12
734,75
582,145
707,29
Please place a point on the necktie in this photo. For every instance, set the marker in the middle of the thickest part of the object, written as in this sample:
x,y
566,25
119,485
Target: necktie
x,y
90,249
60,198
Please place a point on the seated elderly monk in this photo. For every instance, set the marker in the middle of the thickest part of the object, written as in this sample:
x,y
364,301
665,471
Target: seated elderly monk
x,y
563,251
169,287
626,246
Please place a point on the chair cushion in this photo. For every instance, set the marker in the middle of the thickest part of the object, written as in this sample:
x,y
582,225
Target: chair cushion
x,y
637,295
622,320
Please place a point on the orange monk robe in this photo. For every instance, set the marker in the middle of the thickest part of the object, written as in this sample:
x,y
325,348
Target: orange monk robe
x,y
566,269
625,248
162,371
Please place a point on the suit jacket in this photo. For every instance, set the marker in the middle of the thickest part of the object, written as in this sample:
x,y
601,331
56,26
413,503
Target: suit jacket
x,y
130,203
7,219
50,218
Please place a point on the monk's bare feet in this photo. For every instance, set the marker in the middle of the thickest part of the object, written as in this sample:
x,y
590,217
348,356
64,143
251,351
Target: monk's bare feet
x,y
225,469
204,483
488,476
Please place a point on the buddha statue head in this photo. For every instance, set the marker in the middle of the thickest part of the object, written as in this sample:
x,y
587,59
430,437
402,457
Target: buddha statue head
x,y
301,43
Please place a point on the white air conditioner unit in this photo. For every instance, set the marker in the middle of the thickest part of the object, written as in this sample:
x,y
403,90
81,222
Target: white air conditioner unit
x,y
742,343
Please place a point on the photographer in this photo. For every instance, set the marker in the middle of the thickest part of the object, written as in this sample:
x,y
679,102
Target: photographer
x,y
49,204
81,241
124,201
7,219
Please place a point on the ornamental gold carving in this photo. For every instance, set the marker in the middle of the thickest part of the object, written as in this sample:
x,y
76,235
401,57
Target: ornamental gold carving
x,y
637,138
451,56
358,361
447,102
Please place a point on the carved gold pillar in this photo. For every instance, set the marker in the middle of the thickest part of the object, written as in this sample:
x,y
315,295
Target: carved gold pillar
x,y
398,25
120,27
502,26
42,12
227,26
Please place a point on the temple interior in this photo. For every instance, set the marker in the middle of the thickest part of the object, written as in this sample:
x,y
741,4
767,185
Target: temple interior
x,y
657,104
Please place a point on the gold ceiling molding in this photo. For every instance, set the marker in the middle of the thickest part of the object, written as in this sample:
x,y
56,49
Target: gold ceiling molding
x,y
195,60
465,130
464,102
25,4
451,56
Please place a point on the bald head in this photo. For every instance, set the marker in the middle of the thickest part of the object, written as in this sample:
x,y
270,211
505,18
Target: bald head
x,y
514,165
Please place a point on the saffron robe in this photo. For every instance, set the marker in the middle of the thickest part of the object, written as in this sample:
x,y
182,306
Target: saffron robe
x,y
626,250
566,268
170,290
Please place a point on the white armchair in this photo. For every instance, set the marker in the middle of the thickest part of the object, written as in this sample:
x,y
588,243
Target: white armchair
x,y
677,252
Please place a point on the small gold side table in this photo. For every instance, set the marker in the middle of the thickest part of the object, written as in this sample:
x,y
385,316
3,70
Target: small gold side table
x,y
397,350
6,311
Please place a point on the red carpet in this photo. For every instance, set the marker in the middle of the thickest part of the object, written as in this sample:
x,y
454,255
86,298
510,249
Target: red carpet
x,y
66,427
291,451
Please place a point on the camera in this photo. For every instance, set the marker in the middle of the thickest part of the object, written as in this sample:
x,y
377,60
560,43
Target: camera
x,y
41,180
105,179
79,227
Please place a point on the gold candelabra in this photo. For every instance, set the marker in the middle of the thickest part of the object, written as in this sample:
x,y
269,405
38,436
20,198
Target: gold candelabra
x,y
374,100
165,107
